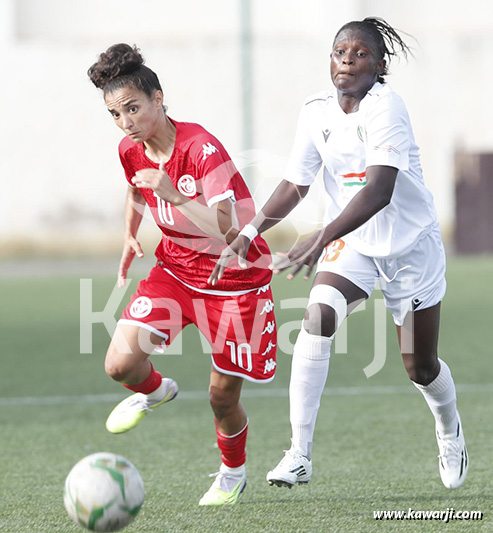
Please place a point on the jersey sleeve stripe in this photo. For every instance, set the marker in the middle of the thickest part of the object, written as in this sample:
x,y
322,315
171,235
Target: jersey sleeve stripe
x,y
220,197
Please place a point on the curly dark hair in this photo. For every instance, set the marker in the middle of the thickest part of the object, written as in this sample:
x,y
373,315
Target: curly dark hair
x,y
386,39
123,66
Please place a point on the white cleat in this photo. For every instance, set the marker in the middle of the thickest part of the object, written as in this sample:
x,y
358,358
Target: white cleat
x,y
293,468
453,460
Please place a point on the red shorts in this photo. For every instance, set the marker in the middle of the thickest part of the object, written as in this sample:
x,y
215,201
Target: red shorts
x,y
241,329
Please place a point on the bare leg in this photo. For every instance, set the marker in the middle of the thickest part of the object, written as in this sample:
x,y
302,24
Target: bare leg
x,y
224,396
418,339
127,361
127,356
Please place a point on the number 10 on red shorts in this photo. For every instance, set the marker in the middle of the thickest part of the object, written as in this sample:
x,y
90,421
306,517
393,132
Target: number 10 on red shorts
x,y
240,329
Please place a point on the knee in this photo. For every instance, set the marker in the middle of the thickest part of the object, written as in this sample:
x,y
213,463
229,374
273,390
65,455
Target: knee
x,y
422,373
320,319
115,367
222,403
115,371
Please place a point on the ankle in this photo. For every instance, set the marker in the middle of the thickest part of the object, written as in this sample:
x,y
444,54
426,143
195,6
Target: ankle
x,y
234,471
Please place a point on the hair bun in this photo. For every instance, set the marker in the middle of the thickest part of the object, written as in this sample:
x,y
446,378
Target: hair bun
x,y
118,60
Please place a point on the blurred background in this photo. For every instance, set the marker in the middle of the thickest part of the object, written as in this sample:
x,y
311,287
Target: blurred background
x,y
242,69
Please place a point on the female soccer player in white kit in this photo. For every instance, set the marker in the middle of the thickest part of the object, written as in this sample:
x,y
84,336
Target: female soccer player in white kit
x,y
381,225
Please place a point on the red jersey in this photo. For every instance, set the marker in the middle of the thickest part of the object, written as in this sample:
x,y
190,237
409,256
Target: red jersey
x,y
201,169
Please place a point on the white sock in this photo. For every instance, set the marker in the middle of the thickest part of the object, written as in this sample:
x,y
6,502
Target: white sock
x,y
441,399
309,369
160,392
239,470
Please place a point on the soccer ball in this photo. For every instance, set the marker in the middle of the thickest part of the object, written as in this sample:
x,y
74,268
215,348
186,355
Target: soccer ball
x,y
103,492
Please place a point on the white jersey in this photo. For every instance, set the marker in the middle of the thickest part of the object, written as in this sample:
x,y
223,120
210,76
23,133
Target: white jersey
x,y
379,133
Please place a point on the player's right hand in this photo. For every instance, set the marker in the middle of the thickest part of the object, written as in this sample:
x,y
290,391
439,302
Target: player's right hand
x,y
238,248
131,248
304,253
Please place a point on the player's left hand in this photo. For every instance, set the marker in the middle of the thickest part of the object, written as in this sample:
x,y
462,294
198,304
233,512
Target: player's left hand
x,y
305,253
159,181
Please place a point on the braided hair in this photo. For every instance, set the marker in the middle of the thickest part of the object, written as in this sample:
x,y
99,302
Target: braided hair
x,y
386,39
123,66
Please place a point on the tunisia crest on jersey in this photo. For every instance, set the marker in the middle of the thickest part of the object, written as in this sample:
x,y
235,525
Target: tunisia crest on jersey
x,y
186,185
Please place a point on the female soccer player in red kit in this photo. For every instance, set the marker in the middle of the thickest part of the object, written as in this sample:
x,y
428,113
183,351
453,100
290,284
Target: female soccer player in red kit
x,y
198,200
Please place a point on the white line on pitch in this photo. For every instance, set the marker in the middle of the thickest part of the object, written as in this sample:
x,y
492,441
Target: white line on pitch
x,y
247,393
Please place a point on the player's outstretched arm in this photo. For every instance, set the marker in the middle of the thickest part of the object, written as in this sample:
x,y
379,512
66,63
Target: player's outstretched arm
x,y
284,199
134,208
377,193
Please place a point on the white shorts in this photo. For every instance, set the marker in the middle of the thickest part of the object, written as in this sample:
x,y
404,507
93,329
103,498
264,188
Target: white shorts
x,y
411,282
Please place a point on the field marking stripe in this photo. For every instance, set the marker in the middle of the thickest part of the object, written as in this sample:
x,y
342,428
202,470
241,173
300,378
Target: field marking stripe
x,y
247,393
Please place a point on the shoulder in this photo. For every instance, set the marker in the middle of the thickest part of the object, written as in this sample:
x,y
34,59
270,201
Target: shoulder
x,y
192,134
382,95
196,140
317,105
322,97
127,146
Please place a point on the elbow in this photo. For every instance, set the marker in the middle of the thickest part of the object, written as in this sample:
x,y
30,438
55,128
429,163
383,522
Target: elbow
x,y
302,190
377,203
135,195
379,198
385,200
380,185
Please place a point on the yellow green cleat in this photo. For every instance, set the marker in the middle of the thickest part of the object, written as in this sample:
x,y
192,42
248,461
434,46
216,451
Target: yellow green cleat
x,y
130,412
226,489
